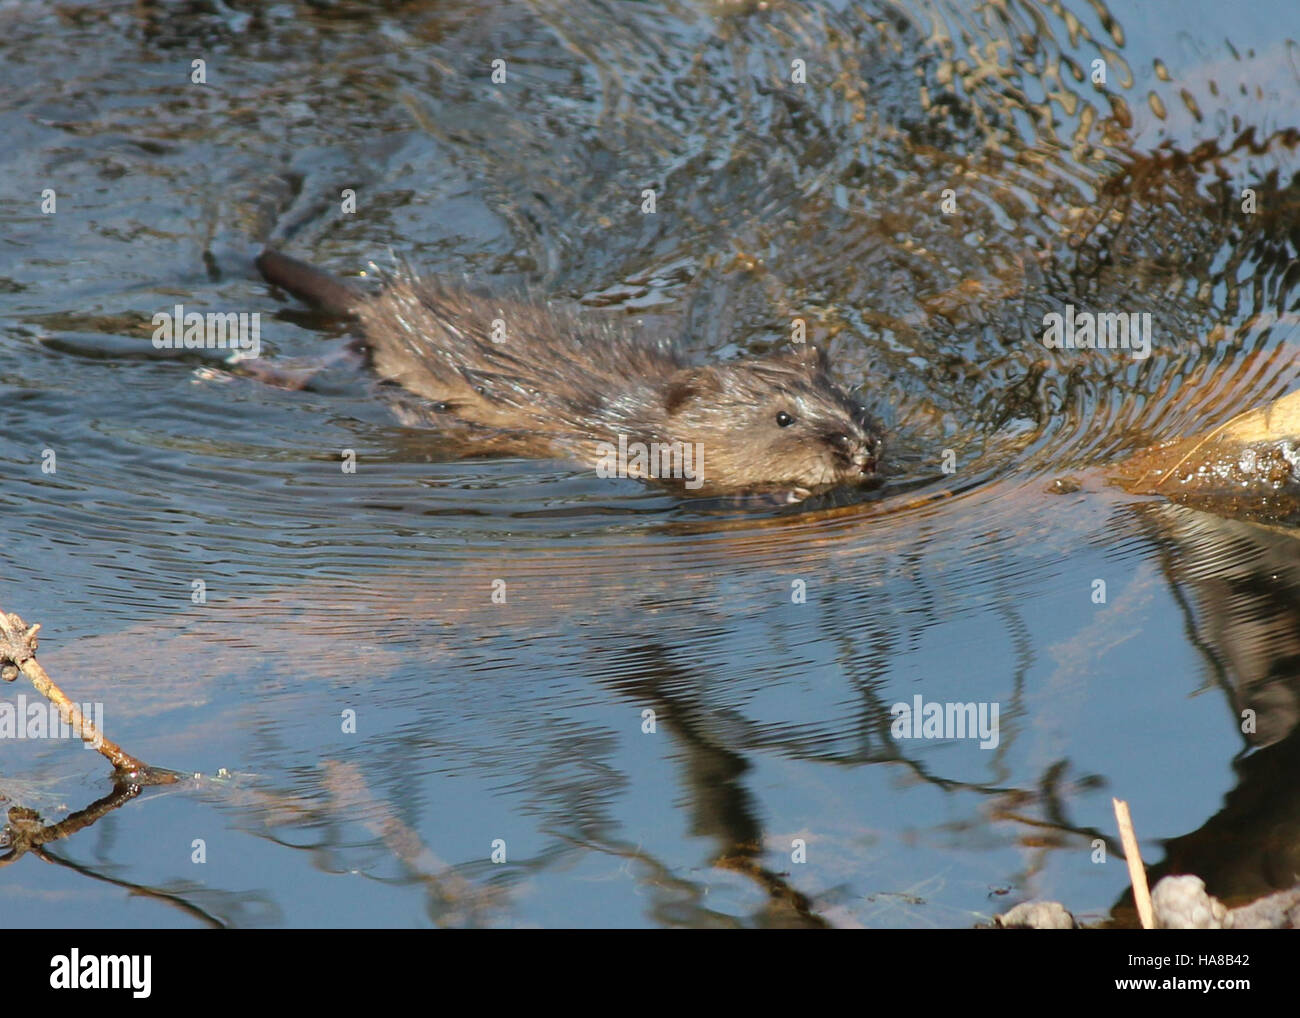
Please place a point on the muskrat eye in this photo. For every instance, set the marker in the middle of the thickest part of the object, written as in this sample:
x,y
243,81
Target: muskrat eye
x,y
784,420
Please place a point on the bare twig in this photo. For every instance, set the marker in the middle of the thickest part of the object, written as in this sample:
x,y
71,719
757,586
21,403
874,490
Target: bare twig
x,y
1137,873
18,650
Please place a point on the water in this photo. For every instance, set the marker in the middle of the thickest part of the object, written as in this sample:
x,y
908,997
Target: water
x,y
523,724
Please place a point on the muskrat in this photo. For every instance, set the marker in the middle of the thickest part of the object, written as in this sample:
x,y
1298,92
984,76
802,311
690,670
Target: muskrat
x,y
539,381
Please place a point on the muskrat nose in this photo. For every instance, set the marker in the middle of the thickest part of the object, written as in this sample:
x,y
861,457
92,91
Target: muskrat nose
x,y
866,453
859,450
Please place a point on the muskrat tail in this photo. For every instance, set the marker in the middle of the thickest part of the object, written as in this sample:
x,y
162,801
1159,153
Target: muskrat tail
x,y
310,284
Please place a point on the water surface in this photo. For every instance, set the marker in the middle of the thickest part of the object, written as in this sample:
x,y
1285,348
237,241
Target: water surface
x,y
771,789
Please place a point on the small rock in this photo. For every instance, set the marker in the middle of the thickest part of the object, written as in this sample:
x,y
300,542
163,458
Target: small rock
x,y
1181,903
1279,911
1037,915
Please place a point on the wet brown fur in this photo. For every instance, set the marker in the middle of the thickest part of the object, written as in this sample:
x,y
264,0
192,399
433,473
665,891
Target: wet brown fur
x,y
560,384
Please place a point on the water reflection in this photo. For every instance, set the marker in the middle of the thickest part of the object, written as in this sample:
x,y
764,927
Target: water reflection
x,y
1239,585
26,833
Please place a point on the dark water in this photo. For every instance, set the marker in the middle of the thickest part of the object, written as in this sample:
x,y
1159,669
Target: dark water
x,y
523,721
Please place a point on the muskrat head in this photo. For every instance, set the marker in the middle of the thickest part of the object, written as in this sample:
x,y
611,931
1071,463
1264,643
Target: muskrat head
x,y
773,422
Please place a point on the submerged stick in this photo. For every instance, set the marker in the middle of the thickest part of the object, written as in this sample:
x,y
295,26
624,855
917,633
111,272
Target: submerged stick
x,y
1137,873
18,651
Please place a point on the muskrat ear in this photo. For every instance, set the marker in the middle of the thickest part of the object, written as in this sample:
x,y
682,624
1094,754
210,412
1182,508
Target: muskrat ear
x,y
814,356
688,383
